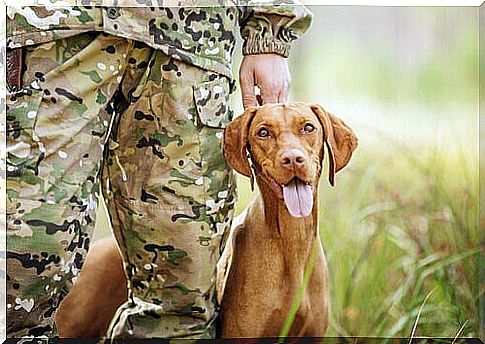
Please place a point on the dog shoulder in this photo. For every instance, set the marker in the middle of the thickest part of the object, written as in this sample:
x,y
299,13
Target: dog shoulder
x,y
225,261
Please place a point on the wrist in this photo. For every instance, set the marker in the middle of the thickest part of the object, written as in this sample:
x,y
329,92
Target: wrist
x,y
257,45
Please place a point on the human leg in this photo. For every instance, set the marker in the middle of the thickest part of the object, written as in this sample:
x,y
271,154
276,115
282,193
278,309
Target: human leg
x,y
57,125
171,197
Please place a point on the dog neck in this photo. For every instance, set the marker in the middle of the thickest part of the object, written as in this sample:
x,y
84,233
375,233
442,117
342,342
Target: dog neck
x,y
295,231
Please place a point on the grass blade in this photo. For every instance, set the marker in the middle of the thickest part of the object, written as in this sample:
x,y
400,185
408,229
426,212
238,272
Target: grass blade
x,y
419,314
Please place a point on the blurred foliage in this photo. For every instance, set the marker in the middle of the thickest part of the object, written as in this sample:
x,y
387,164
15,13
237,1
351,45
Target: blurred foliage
x,y
395,56
395,230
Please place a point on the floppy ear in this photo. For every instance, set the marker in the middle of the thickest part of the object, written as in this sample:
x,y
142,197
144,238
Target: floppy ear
x,y
236,142
339,139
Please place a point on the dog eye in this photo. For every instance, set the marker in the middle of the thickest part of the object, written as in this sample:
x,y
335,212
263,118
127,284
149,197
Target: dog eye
x,y
309,128
263,132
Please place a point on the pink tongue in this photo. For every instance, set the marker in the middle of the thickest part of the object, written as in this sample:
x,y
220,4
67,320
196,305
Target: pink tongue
x,y
298,198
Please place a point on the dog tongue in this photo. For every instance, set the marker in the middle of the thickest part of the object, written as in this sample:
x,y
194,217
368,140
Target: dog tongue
x,y
298,198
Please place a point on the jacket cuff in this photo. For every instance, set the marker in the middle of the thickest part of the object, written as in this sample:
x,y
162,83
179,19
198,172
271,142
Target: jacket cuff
x,y
259,45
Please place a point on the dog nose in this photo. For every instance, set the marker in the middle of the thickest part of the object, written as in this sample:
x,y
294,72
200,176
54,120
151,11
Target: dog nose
x,y
292,158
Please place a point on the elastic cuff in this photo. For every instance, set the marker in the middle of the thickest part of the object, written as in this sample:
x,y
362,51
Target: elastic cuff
x,y
258,45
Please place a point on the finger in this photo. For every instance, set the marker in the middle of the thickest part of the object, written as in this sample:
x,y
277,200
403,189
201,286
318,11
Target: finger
x,y
285,90
269,94
283,95
246,80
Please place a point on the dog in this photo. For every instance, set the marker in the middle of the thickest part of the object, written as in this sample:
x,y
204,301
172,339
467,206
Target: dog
x,y
100,289
261,266
273,241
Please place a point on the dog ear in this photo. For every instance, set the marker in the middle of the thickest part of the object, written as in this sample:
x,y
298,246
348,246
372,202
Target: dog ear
x,y
236,142
339,139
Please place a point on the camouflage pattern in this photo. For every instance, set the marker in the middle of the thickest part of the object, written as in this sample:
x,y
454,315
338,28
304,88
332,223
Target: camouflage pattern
x,y
56,127
171,197
203,36
170,193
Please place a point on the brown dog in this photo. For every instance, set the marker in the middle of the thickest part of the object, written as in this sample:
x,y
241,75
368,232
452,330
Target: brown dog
x,y
100,289
270,244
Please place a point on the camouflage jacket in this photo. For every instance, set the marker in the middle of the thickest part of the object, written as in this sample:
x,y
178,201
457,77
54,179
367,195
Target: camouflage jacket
x,y
204,35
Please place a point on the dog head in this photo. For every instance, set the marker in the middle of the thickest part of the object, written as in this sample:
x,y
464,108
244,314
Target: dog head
x,y
286,143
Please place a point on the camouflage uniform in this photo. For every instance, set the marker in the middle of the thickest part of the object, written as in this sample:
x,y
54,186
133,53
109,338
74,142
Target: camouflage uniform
x,y
146,91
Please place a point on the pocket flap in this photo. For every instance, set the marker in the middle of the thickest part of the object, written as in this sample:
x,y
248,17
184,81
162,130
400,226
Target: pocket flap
x,y
212,103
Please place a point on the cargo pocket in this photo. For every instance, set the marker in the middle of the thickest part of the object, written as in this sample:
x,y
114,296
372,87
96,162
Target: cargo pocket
x,y
212,103
214,114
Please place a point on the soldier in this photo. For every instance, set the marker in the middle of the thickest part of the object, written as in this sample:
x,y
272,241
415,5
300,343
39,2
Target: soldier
x,y
138,98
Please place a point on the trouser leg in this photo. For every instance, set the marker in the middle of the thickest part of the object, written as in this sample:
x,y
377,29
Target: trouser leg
x,y
56,129
171,196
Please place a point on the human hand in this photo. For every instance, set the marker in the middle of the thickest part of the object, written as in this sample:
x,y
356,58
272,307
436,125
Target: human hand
x,y
270,73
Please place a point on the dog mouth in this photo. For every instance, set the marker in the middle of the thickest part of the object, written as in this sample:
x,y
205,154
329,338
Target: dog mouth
x,y
297,195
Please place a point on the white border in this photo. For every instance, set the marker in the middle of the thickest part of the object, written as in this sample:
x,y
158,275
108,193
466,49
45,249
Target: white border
x,y
172,3
457,3
3,3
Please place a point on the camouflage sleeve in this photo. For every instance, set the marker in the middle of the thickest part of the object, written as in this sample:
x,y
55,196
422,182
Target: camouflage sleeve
x,y
270,28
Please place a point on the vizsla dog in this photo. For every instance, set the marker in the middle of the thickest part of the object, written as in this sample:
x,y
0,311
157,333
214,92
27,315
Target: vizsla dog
x,y
100,289
270,244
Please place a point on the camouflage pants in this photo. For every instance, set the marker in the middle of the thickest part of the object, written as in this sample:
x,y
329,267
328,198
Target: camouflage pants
x,y
153,125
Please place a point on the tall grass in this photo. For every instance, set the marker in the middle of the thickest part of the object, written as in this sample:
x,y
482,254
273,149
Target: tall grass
x,y
401,223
